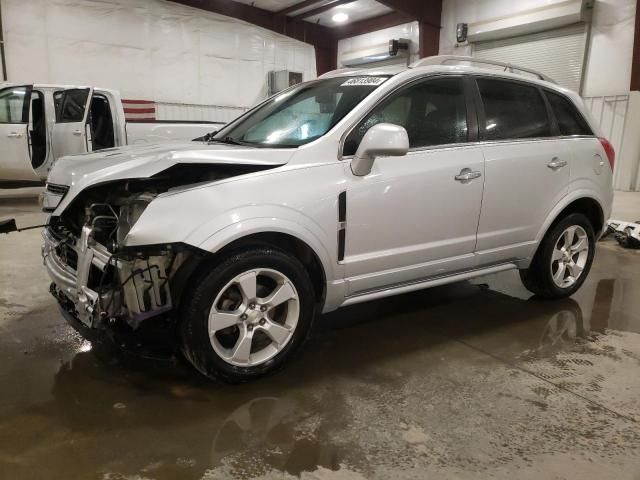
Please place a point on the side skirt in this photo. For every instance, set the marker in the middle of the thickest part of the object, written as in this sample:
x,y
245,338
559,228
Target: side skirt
x,y
425,283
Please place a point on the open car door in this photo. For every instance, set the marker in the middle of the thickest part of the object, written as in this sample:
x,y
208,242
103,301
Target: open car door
x,y
15,158
70,132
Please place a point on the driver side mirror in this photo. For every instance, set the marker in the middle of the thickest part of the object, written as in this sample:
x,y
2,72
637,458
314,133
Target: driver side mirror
x,y
381,140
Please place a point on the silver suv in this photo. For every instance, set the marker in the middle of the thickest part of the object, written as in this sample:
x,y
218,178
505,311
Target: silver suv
x,y
356,186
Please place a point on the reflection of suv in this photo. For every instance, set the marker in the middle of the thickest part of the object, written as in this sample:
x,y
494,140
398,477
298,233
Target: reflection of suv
x,y
353,187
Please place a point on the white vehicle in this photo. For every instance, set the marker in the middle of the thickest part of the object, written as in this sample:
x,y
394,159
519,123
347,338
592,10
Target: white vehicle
x,y
353,187
41,123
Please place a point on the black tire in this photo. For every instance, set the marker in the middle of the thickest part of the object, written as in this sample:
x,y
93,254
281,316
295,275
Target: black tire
x,y
538,277
205,287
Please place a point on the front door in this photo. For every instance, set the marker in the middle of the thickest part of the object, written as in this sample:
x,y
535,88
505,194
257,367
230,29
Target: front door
x,y
15,164
70,132
416,216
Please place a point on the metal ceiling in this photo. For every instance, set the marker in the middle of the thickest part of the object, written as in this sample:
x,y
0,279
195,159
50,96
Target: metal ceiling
x,y
322,11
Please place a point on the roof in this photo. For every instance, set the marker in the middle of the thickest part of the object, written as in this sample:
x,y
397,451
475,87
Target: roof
x,y
452,64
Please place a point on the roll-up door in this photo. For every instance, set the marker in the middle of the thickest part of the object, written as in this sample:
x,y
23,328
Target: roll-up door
x,y
558,53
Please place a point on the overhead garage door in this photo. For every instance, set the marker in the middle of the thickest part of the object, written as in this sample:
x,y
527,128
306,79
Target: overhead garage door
x,y
557,53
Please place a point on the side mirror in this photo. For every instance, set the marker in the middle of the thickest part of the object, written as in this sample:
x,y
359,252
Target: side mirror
x,y
383,139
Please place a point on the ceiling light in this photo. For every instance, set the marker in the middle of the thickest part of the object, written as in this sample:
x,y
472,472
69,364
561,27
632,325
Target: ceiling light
x,y
340,17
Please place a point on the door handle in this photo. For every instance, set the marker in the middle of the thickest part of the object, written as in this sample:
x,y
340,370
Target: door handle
x,y
77,132
466,175
14,135
556,163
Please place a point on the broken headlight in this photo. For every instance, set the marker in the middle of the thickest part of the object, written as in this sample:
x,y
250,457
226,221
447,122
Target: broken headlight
x,y
130,211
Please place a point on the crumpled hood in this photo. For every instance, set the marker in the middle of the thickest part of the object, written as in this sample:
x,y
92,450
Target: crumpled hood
x,y
143,161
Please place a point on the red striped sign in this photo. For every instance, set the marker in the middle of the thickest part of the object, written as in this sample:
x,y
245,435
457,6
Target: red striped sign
x,y
139,110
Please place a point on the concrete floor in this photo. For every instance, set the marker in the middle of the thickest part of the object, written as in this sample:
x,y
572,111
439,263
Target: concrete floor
x,y
473,380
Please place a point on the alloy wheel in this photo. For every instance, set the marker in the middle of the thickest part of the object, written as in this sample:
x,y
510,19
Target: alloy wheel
x,y
569,256
253,317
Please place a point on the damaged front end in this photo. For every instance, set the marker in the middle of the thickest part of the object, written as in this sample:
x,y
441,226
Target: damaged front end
x,y
101,282
96,278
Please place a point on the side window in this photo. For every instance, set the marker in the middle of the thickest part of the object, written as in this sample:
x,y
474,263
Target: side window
x,y
14,105
71,106
433,112
569,119
513,110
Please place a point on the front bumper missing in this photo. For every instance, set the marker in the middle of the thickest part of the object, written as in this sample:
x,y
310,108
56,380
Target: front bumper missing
x,y
73,283
137,288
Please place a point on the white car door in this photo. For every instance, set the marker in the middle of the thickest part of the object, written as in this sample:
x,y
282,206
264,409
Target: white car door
x,y
15,163
71,132
416,216
526,168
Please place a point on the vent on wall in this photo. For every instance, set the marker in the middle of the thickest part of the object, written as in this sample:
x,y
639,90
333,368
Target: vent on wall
x,y
395,50
282,79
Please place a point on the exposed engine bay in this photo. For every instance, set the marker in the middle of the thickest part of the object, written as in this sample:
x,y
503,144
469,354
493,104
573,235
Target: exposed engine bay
x,y
95,276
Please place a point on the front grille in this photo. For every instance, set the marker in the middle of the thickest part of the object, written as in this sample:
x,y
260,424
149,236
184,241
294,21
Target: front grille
x,y
57,189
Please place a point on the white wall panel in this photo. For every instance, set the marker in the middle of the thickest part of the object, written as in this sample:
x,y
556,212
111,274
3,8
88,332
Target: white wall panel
x,y
147,49
608,68
210,113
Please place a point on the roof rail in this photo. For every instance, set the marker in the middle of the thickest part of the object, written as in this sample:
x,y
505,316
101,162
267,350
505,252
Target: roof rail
x,y
444,59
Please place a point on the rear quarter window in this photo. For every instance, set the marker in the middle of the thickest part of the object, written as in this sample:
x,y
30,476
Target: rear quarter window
x,y
570,121
513,110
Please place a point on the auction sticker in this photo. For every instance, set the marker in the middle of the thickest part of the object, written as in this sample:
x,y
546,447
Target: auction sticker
x,y
364,81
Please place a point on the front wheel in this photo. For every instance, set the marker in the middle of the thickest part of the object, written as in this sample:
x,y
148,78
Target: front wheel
x,y
248,315
563,260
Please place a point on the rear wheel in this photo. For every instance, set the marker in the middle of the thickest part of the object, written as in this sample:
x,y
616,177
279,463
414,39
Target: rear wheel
x,y
563,260
247,316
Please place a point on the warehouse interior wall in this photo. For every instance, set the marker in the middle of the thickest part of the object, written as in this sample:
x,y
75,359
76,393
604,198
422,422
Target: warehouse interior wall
x,y
606,71
608,63
148,49
409,31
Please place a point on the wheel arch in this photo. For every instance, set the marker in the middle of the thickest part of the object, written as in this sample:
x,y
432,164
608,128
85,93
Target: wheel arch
x,y
290,244
283,234
588,205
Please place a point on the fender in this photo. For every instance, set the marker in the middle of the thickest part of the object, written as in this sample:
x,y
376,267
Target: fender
x,y
291,223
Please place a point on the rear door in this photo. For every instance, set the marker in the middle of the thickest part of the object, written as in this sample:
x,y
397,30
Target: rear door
x,y
71,132
526,168
15,160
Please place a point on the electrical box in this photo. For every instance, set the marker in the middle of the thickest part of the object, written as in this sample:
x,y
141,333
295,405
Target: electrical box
x,y
282,79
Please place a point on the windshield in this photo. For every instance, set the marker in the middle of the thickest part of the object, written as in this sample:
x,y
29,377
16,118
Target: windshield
x,y
301,114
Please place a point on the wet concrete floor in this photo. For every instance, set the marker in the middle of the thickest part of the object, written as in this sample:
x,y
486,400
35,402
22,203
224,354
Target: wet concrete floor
x,y
467,381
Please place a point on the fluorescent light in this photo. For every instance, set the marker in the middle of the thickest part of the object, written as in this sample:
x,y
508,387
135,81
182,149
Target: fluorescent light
x,y
340,17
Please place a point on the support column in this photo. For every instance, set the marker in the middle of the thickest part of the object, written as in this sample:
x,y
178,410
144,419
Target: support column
x,y
429,39
635,65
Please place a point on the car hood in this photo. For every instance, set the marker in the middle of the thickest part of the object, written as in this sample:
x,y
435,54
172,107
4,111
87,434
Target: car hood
x,y
81,171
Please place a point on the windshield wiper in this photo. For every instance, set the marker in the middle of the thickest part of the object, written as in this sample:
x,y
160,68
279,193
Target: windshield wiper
x,y
228,140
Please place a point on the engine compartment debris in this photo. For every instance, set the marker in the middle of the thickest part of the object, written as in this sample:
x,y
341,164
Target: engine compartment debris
x,y
627,234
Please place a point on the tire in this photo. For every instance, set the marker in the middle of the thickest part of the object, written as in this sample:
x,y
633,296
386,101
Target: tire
x,y
232,328
546,277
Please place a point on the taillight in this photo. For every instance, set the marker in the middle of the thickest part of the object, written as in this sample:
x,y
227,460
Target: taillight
x,y
608,149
